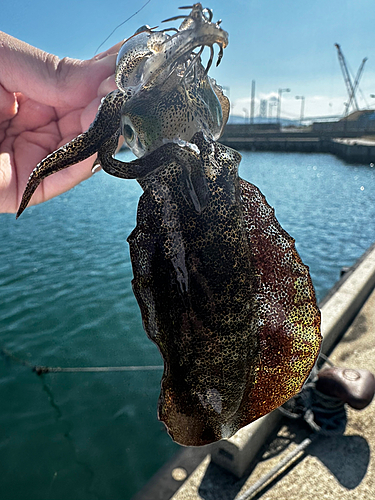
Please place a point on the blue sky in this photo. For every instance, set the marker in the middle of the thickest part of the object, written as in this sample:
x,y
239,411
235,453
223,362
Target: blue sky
x,y
278,43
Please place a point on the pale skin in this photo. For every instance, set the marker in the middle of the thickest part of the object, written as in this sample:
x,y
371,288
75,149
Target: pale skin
x,y
44,103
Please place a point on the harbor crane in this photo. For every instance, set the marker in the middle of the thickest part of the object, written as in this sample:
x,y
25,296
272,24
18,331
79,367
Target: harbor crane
x,y
350,86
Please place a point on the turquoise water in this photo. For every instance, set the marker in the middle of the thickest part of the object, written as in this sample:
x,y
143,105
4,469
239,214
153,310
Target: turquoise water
x,y
66,300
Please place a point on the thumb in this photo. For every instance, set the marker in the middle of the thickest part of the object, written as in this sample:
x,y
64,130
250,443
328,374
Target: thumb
x,y
45,78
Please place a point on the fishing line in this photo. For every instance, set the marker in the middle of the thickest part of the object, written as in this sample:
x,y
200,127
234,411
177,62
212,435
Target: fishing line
x,y
41,369
126,20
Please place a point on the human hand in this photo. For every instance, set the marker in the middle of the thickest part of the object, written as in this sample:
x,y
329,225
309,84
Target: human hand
x,y
44,103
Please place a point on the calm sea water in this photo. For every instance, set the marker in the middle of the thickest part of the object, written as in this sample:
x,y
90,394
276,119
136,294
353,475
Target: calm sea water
x,y
66,300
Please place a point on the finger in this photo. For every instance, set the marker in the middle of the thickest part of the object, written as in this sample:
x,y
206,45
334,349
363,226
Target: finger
x,y
85,80
109,52
8,104
46,79
107,86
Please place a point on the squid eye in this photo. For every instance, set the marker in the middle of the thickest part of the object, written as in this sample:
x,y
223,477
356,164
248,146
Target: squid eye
x,y
131,137
128,133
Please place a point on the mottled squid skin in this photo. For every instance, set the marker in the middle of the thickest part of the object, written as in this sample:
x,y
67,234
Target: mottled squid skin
x,y
222,291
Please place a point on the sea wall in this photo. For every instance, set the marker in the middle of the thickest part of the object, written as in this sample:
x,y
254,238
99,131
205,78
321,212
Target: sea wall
x,y
354,150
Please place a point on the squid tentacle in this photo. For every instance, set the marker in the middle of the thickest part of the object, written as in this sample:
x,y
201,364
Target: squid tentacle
x,y
106,123
141,167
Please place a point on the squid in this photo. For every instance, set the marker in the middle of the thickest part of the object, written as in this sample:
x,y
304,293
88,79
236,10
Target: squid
x,y
222,290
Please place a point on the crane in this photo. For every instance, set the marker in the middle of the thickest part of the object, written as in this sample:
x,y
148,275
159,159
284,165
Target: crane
x,y
356,81
351,87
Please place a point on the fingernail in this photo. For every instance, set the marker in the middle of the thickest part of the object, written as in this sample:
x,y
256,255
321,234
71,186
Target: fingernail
x,y
113,51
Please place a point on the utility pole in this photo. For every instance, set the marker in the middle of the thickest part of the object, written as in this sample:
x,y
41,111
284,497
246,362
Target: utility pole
x,y
302,97
263,108
252,106
279,106
272,103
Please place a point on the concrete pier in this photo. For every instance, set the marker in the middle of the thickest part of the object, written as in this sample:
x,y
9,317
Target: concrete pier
x,y
281,143
346,144
354,150
350,150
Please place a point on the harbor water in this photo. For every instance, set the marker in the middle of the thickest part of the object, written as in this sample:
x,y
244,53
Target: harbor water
x,y
66,300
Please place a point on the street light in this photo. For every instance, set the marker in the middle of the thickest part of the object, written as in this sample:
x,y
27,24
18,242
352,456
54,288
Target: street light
x,y
279,106
302,97
271,104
